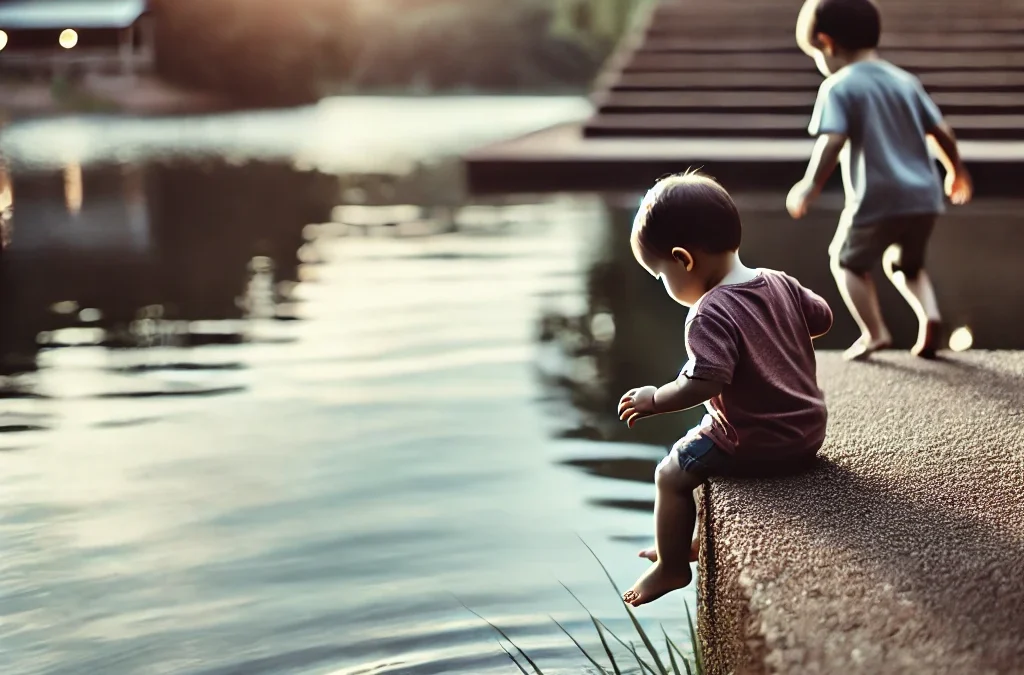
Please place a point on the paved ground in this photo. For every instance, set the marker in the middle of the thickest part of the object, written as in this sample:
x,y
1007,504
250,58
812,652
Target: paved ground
x,y
903,552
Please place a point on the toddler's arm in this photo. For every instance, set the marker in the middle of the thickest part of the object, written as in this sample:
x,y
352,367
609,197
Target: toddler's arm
x,y
959,187
683,394
817,312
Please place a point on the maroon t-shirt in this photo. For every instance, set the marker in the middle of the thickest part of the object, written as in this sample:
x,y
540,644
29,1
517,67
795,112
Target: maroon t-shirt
x,y
755,338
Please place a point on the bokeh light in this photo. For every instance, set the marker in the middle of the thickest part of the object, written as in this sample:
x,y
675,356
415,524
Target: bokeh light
x,y
73,193
3,40
68,38
961,339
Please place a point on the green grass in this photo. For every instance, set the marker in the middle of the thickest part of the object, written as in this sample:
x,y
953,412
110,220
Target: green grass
x,y
650,662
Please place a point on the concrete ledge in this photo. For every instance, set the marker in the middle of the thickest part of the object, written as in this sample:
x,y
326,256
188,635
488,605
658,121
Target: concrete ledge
x,y
903,552
562,159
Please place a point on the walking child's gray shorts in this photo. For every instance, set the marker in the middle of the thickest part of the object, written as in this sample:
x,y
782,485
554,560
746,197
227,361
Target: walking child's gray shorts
x,y
859,248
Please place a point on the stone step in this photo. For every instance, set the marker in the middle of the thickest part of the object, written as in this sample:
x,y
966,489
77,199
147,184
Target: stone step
x,y
748,21
984,41
917,61
749,125
934,81
962,103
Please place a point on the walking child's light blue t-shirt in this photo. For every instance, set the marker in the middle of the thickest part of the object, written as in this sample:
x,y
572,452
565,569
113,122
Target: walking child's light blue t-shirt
x,y
888,169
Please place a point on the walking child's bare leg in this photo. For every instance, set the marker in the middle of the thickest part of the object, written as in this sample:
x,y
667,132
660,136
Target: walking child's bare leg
x,y
861,298
675,514
920,295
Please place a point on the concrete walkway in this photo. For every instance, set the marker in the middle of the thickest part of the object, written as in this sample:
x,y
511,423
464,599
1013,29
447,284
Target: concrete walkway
x,y
903,552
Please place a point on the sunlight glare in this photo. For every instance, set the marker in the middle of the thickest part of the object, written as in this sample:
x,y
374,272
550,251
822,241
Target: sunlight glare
x,y
68,39
73,188
961,339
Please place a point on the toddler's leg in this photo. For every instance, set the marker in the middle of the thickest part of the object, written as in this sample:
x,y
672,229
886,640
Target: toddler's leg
x,y
675,513
652,553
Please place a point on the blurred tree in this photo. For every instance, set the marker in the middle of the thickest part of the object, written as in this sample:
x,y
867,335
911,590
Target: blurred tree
x,y
261,52
267,52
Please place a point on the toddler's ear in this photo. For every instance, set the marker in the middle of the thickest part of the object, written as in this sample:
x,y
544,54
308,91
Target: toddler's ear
x,y
683,256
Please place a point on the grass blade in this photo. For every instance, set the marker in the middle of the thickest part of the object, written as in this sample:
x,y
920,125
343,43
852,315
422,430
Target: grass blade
x,y
503,634
632,617
671,656
597,627
682,656
698,658
637,657
607,649
513,659
621,642
583,651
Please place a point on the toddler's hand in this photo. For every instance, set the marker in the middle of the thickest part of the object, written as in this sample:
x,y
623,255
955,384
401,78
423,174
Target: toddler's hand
x,y
959,187
799,199
636,404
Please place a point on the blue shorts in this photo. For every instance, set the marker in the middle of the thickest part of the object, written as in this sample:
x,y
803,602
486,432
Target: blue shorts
x,y
698,454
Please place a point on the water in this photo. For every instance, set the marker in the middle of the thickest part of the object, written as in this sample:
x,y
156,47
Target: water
x,y
240,437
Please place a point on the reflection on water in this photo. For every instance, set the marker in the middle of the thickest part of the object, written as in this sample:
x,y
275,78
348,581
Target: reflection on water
x,y
252,423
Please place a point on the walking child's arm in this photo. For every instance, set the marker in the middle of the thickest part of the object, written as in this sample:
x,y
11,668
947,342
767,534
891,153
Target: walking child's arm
x,y
823,162
959,187
824,159
805,38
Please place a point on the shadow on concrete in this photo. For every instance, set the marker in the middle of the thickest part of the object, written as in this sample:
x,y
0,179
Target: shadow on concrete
x,y
933,554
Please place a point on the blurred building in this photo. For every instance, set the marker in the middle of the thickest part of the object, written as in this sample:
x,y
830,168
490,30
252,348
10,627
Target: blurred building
x,y
54,38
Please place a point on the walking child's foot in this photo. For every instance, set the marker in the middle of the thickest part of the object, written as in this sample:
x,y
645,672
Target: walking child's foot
x,y
656,582
928,341
652,553
864,347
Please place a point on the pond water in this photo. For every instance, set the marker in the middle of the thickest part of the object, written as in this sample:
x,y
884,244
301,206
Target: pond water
x,y
250,427
277,395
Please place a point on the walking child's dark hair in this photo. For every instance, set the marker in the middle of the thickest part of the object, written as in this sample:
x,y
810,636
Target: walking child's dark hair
x,y
852,24
688,210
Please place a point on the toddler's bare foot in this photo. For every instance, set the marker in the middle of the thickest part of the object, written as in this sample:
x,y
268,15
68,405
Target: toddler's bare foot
x,y
864,347
656,582
652,553
928,340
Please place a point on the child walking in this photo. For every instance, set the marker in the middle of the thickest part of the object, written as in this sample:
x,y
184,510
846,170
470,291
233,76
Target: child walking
x,y
877,120
751,362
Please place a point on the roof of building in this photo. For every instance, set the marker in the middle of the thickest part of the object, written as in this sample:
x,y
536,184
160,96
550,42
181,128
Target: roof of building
x,y
81,14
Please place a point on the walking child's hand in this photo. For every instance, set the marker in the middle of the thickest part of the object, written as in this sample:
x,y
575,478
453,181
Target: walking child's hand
x,y
799,199
637,404
959,187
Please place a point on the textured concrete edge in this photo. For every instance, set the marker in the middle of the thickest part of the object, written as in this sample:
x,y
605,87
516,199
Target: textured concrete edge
x,y
728,629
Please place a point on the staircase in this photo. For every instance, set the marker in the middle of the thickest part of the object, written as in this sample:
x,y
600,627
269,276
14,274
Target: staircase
x,y
719,69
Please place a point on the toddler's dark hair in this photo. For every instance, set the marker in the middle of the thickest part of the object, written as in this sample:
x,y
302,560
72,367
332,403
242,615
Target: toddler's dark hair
x,y
689,210
853,24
